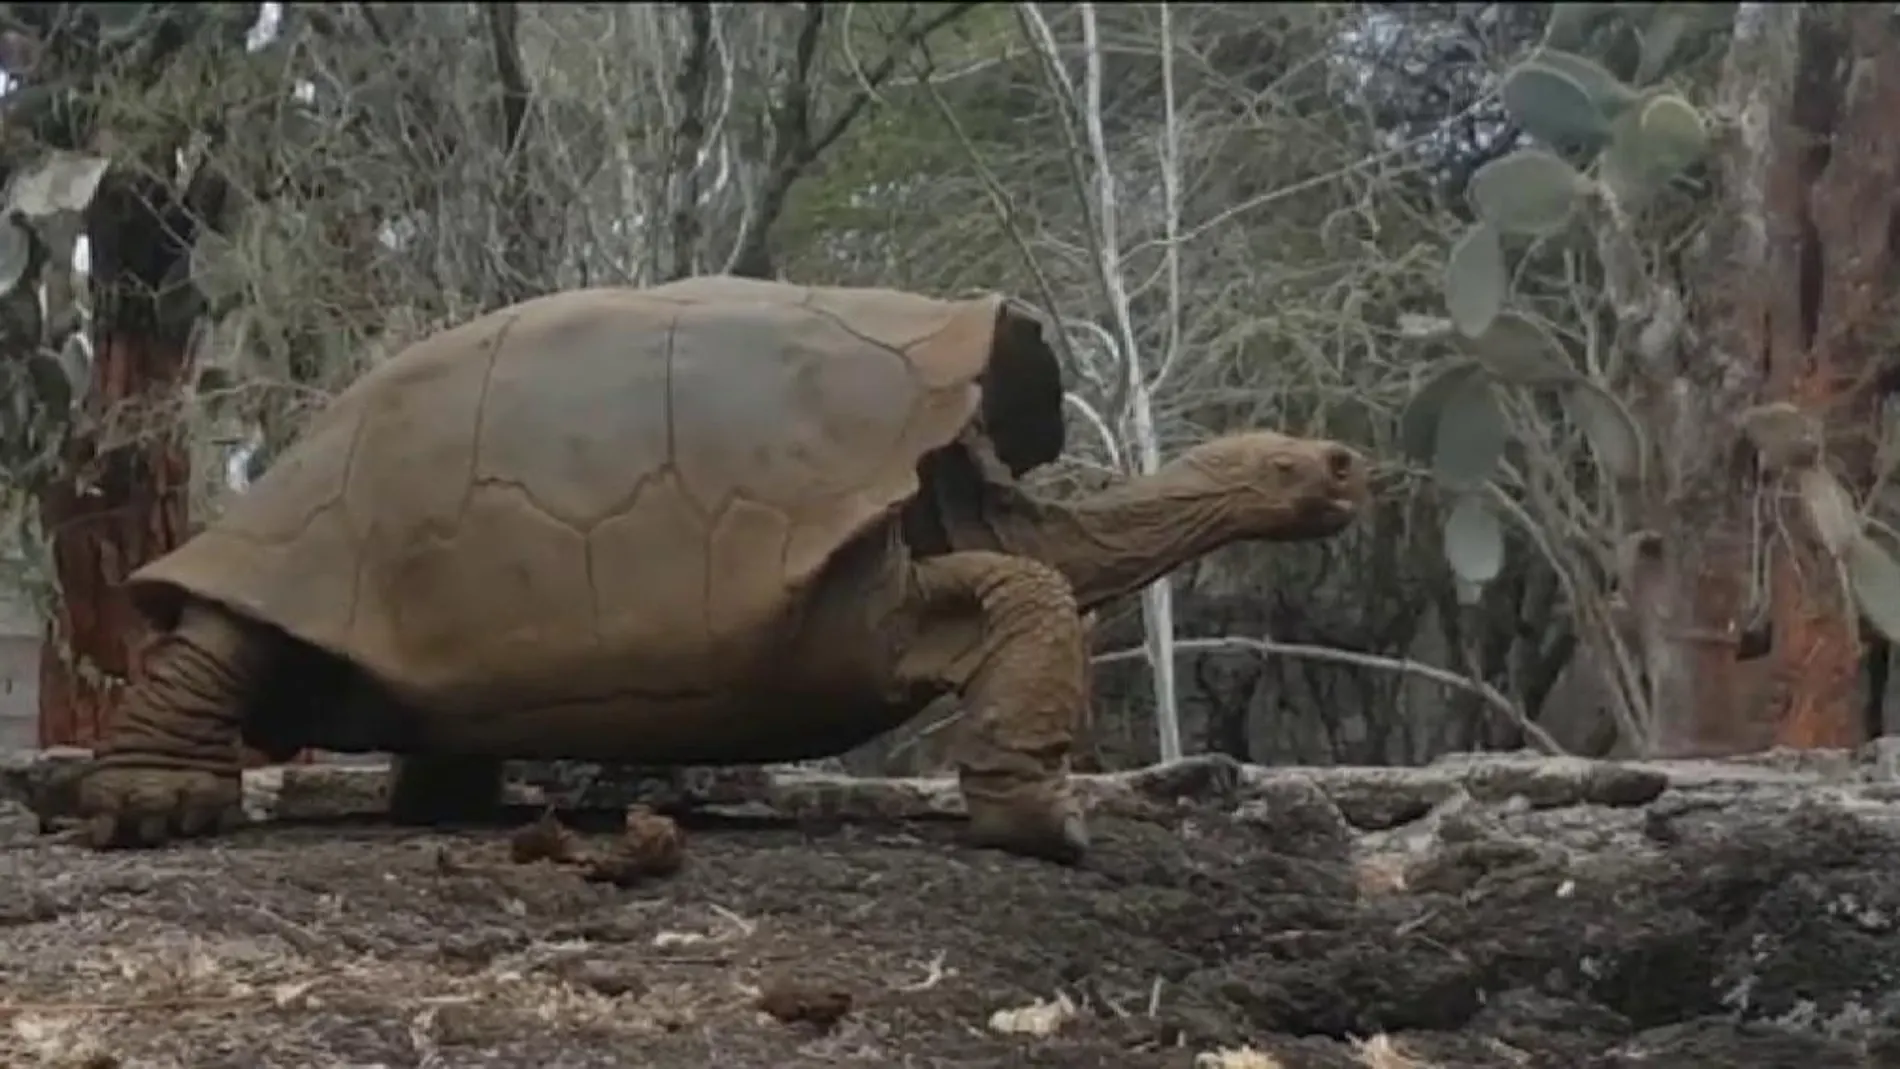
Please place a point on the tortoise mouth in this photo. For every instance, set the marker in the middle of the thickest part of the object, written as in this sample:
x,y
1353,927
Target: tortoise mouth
x,y
1336,511
1345,503
1321,517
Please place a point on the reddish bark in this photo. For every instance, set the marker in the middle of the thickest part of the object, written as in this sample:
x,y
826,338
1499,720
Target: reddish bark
x,y
111,510
1796,284
138,513
1852,203
1727,707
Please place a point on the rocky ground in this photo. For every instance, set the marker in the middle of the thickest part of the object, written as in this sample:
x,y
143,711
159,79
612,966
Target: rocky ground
x,y
1508,912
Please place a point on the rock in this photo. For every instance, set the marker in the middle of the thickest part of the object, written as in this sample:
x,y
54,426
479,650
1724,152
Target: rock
x,y
1373,799
17,823
1623,785
1367,799
1205,778
826,797
589,785
46,781
1711,1041
794,1003
609,978
1300,816
1879,760
315,791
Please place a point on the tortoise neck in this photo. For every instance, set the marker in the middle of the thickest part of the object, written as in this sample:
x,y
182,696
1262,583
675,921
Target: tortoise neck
x,y
1118,540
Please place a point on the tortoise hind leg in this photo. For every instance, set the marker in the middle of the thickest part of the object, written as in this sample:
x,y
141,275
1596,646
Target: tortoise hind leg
x,y
432,789
169,764
1023,672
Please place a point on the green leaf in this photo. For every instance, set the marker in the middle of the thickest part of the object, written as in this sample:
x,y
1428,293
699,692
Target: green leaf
x,y
1569,24
1418,424
1476,279
1623,168
1606,90
62,182
1673,134
1612,431
1552,106
1518,350
120,23
1874,580
1830,508
16,253
1471,435
1649,146
1474,539
1529,192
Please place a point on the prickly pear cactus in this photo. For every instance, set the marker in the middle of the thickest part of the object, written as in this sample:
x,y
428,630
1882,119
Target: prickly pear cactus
x,y
1602,151
1598,142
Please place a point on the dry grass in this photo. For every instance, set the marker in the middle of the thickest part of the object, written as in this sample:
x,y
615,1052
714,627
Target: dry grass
x,y
1384,1052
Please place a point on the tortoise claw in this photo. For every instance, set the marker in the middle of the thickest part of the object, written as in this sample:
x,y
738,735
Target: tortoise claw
x,y
147,807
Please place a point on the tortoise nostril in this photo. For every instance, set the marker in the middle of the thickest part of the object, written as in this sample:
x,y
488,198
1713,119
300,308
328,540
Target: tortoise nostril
x,y
1341,463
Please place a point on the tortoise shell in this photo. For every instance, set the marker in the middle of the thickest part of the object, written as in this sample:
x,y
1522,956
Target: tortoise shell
x,y
606,489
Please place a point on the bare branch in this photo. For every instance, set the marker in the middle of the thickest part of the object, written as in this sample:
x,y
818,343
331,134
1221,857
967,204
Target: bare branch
x,y
795,148
689,141
524,251
1269,648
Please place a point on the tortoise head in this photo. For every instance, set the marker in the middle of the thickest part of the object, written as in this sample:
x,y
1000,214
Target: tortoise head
x,y
1279,487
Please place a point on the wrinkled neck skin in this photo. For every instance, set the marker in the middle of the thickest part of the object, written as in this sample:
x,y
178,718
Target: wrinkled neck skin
x,y
1112,542
1119,540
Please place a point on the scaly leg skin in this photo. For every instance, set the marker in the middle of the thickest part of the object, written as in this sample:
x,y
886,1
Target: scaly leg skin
x,y
169,765
445,789
1025,694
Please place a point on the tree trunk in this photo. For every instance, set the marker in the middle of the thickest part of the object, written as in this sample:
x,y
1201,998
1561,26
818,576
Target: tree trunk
x,y
117,506
1793,294
1852,94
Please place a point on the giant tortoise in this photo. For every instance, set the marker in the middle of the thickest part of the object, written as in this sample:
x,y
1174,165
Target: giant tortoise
x,y
717,521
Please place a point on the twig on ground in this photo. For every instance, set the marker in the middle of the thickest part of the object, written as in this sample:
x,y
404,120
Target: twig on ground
x,y
934,972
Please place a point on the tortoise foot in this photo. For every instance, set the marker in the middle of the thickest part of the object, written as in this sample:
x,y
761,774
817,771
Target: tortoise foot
x,y
1046,825
145,807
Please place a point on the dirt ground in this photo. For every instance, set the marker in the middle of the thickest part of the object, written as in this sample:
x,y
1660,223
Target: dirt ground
x,y
1745,916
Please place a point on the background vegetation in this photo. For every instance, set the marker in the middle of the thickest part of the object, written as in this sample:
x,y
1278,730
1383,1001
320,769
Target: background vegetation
x,y
1603,287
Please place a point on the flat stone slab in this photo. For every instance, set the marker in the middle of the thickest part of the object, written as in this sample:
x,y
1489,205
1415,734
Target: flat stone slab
x,y
1369,798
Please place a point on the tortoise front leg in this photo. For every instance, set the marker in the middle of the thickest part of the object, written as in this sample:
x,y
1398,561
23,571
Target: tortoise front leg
x,y
169,763
1024,684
